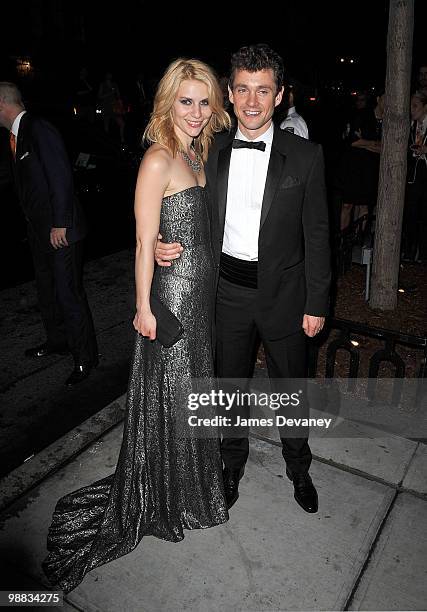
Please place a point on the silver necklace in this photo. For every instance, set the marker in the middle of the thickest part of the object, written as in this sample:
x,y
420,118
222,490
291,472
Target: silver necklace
x,y
195,164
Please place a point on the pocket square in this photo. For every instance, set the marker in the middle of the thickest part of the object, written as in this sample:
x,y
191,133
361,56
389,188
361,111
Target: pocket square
x,y
23,156
290,181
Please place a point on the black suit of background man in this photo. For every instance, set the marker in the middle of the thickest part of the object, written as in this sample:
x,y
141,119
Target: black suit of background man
x,y
44,182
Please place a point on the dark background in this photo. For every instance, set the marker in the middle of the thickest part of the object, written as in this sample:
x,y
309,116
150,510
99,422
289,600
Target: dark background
x,y
133,35
58,37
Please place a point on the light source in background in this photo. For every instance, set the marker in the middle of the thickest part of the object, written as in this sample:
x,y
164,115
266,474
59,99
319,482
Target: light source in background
x,y
24,66
354,342
347,60
401,290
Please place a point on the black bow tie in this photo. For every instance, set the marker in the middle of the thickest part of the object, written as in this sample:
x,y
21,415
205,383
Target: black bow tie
x,y
248,144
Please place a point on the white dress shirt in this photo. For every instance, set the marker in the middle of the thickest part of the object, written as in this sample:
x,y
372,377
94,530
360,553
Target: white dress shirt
x,y
15,125
295,123
246,183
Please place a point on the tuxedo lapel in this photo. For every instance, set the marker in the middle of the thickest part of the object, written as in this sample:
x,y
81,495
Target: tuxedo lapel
x,y
222,183
274,173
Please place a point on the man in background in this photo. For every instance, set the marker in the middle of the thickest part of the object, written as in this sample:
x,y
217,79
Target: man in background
x,y
422,77
56,227
293,122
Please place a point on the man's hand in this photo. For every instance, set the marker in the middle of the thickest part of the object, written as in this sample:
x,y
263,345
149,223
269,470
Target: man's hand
x,y
165,253
312,325
57,237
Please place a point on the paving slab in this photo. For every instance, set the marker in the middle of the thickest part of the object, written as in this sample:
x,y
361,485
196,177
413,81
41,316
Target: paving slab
x,y
396,576
269,556
359,447
386,458
416,477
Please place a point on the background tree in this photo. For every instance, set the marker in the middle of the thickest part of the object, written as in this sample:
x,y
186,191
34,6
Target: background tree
x,y
392,176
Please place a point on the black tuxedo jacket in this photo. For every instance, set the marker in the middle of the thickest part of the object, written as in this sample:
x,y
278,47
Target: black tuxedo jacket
x,y
293,243
44,182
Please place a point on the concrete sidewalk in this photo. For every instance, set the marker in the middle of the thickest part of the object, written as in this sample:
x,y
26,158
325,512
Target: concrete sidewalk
x,y
36,408
365,549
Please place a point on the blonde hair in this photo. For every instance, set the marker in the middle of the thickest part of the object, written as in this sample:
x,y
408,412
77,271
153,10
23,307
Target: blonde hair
x,y
160,127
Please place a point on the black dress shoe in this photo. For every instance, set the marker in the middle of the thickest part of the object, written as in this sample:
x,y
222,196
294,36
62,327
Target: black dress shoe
x,y
44,350
231,485
304,491
80,372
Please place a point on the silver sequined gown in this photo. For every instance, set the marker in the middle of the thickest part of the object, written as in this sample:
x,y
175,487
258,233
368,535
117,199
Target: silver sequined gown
x,y
165,481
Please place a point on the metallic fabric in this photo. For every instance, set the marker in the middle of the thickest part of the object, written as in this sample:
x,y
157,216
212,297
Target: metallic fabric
x,y
167,479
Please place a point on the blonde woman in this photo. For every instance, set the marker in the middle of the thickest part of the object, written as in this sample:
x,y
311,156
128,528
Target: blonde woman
x,y
167,479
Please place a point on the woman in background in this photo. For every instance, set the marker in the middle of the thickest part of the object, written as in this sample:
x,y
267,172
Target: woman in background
x,y
112,105
415,212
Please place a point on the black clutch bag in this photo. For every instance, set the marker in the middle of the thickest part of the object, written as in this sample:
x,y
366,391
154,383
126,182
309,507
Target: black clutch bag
x,y
169,329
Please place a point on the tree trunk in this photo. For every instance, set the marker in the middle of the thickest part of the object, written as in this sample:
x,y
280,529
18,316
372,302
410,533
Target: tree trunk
x,y
392,176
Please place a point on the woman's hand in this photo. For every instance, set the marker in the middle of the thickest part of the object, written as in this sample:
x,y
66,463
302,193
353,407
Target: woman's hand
x,y
145,324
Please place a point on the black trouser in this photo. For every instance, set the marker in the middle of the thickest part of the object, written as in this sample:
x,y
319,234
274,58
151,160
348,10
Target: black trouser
x,y
62,300
238,336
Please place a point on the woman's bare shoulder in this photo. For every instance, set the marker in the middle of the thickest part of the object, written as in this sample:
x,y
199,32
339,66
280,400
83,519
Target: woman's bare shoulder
x,y
156,160
158,155
156,165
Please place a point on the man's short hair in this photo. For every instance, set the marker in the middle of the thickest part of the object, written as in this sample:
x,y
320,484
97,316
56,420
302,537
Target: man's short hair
x,y
297,89
10,94
254,58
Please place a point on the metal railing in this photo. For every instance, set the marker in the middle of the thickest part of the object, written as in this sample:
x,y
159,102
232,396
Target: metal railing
x,y
387,354
358,233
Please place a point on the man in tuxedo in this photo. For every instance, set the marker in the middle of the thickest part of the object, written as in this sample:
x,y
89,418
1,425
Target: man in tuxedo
x,y
56,228
270,237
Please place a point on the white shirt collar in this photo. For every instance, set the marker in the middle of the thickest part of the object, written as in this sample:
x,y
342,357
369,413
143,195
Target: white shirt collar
x,y
15,125
266,137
